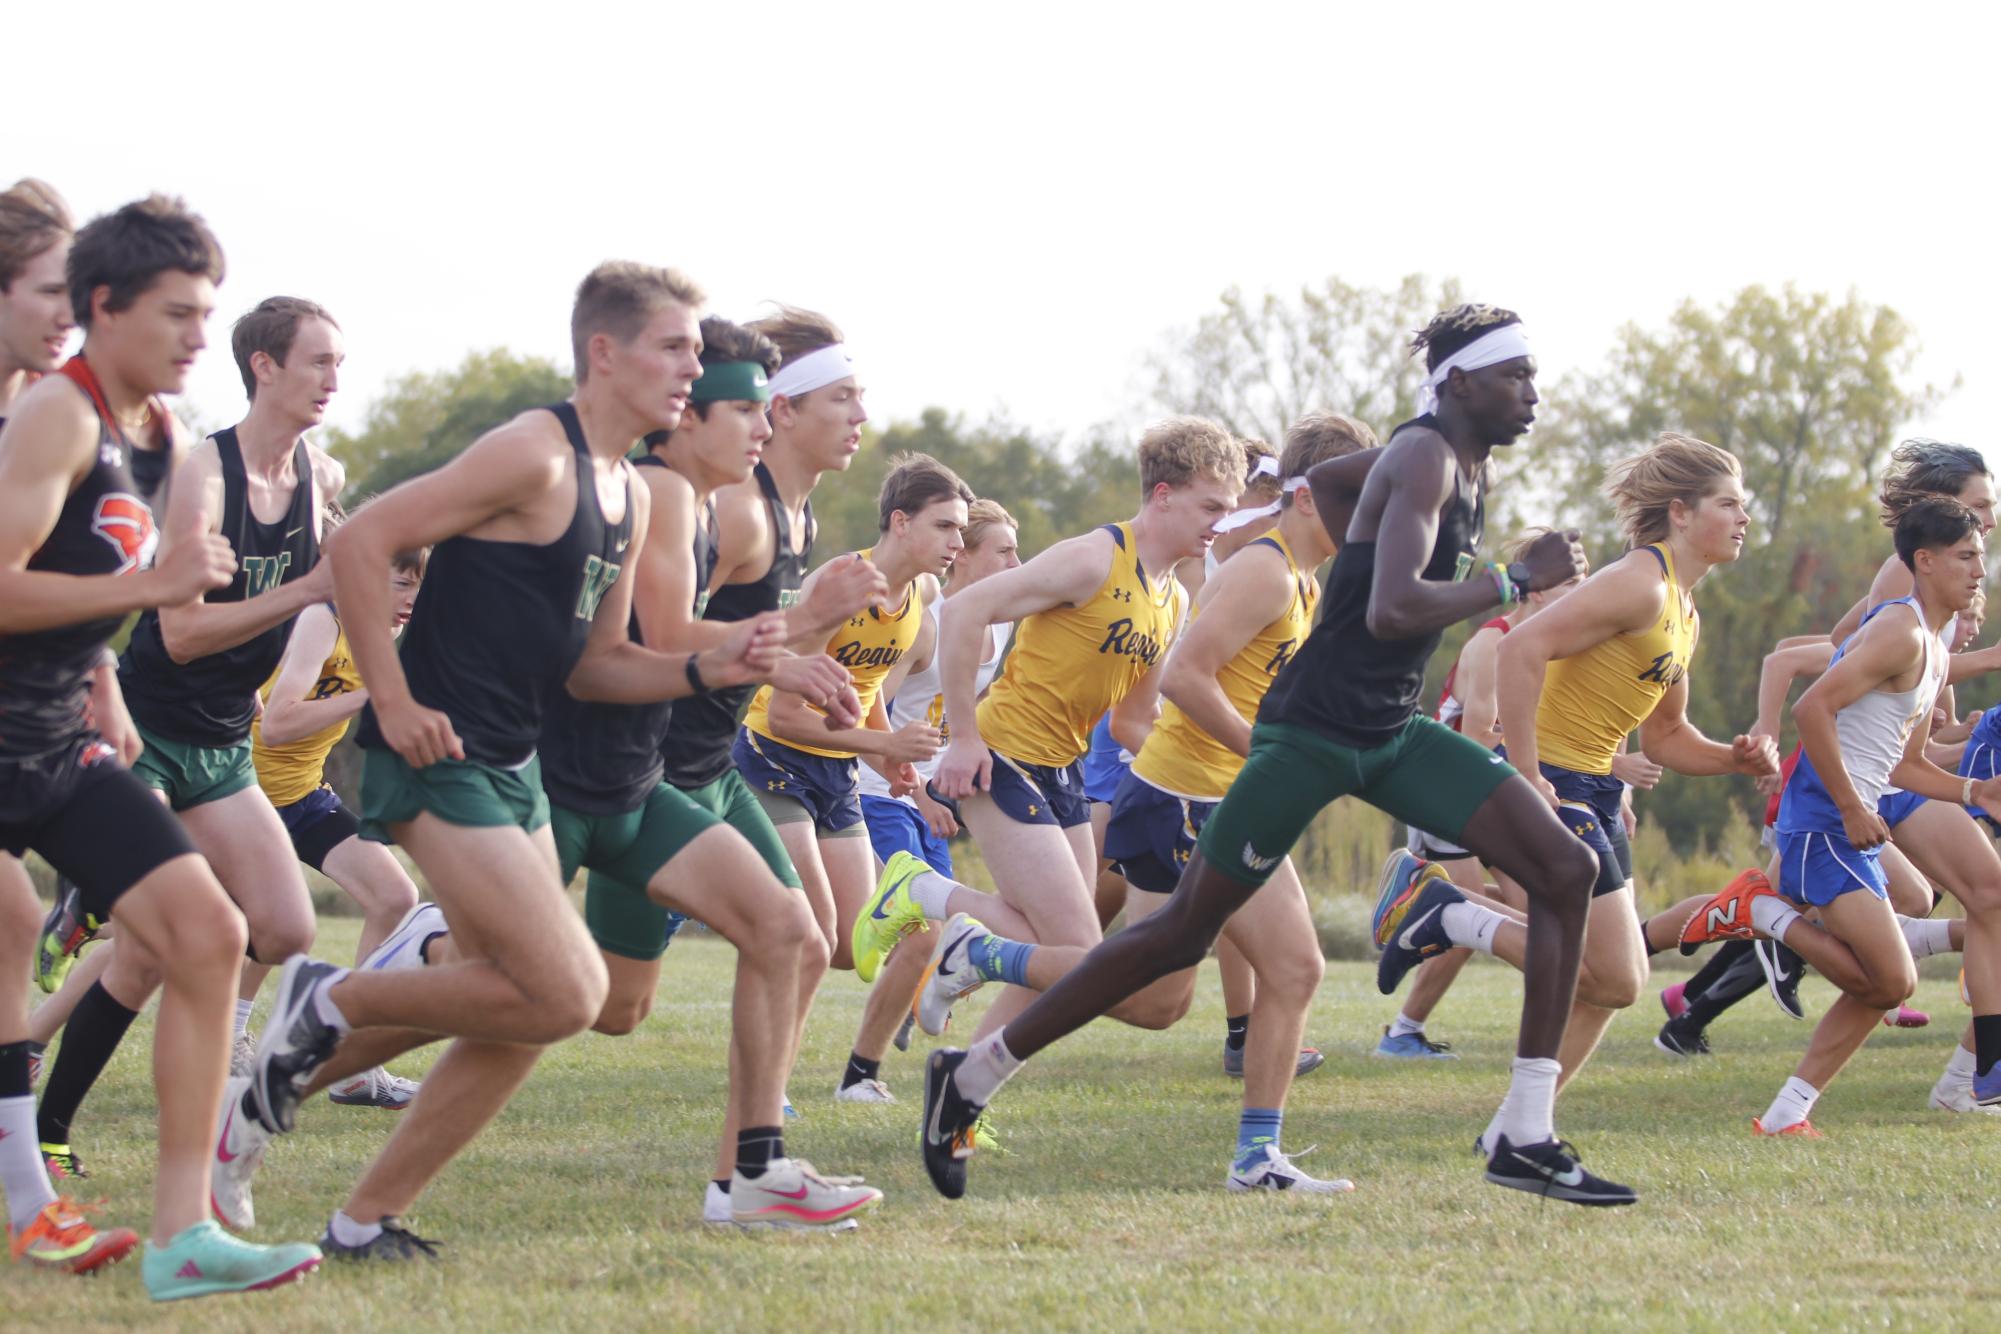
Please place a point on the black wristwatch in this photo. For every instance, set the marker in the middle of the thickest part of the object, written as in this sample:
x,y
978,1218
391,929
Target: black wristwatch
x,y
1518,575
694,675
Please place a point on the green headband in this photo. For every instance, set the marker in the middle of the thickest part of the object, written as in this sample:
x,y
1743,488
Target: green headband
x,y
731,382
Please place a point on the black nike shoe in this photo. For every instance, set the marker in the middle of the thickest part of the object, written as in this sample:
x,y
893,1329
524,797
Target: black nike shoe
x,y
1681,1036
295,1042
1783,970
1550,1169
394,1242
948,1123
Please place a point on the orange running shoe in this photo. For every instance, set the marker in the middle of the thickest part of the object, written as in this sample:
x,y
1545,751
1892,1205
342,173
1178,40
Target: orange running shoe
x,y
1728,915
1803,1130
61,1238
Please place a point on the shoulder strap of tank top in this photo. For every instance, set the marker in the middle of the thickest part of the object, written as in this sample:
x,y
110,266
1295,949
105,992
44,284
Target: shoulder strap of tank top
x,y
235,497
781,523
305,491
80,374
573,427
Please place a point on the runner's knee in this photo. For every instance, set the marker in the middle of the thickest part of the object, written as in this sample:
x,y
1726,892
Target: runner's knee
x,y
573,1000
1292,980
623,1014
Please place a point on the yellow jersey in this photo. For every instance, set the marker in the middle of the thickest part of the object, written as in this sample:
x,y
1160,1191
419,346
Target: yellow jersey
x,y
868,644
1071,664
290,772
1593,700
1179,757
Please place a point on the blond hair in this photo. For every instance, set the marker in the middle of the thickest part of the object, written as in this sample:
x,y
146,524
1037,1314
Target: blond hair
x,y
1259,488
1319,436
982,517
1177,451
618,297
33,217
1674,467
797,331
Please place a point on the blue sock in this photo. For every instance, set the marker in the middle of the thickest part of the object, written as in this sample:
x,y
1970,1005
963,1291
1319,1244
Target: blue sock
x,y
1002,960
1257,1127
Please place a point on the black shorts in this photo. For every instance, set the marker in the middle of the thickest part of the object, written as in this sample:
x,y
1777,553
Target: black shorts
x,y
90,818
318,824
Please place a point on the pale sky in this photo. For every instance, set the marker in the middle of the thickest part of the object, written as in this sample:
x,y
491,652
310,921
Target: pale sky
x,y
1006,207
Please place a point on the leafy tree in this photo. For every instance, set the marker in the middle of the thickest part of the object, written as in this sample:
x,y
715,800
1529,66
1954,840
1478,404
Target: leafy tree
x,y
424,419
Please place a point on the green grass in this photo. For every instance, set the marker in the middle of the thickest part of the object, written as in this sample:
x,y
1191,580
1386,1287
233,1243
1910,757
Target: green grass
x,y
578,1208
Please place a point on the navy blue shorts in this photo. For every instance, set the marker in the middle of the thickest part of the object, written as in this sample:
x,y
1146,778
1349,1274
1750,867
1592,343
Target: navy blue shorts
x,y
318,824
1152,834
825,786
1040,793
1818,868
1589,807
1105,765
897,826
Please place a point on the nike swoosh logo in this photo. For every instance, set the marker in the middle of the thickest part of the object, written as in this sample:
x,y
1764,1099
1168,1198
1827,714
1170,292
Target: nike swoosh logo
x,y
935,1132
295,532
222,1153
1779,974
1570,1176
799,1194
1407,940
877,912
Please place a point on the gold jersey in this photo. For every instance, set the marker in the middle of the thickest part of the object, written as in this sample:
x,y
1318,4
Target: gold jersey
x,y
290,772
1593,700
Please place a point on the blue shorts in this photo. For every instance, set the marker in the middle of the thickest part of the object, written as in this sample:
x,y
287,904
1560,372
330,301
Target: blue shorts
x,y
1105,764
1818,868
897,826
1040,793
317,824
1982,761
1895,807
1152,834
825,786
1589,808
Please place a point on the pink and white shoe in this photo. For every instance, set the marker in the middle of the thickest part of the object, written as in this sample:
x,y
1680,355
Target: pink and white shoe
x,y
1672,1000
1905,1017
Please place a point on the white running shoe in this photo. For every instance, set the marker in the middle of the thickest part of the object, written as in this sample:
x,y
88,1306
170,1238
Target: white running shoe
x,y
716,1206
1276,1172
1955,1096
375,1088
865,1090
240,1142
790,1194
952,973
403,947
242,1056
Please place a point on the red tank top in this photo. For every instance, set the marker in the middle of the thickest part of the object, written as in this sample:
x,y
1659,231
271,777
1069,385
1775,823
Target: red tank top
x,y
1449,706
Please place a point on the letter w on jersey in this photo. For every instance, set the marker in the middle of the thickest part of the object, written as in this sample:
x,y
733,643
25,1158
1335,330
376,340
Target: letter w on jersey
x,y
599,576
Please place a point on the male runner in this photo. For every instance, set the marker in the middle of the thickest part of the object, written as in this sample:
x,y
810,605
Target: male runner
x,y
1342,718
75,541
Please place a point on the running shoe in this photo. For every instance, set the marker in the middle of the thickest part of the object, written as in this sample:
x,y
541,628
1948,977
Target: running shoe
x,y
953,974
1272,1170
1905,1017
1550,1169
888,916
61,1238
1986,1088
903,1030
204,1259
394,1242
295,1042
1399,870
67,929
716,1206
62,1164
1956,1095
240,1141
1798,1130
375,1088
1413,928
1310,1059
790,1194
1682,1036
1783,970
242,1056
1727,916
1674,1000
404,947
864,1090
948,1124
1413,1047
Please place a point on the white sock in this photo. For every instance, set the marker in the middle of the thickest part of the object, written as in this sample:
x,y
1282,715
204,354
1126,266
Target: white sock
x,y
329,1013
350,1233
987,1066
24,1178
1793,1105
243,1016
1473,926
1528,1114
1404,1025
1493,1130
1927,935
1959,1069
1772,916
932,893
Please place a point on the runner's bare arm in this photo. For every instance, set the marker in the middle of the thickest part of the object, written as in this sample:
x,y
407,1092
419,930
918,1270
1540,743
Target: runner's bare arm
x,y
1474,683
1247,593
1671,740
1337,488
290,713
1782,667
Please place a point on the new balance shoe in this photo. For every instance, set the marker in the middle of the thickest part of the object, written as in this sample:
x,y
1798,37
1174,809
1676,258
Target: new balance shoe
x,y
864,1090
242,1056
790,1194
296,1041
1310,1059
1551,1169
1797,1130
240,1141
1783,970
1956,1095
1413,1047
953,973
204,1259
67,929
375,1088
1413,929
1727,916
1674,1000
404,947
1393,886
1682,1036
393,1242
888,916
1905,1017
1272,1170
949,1120
61,1238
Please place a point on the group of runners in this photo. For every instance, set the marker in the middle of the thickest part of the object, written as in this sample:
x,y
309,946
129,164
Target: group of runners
x,y
599,640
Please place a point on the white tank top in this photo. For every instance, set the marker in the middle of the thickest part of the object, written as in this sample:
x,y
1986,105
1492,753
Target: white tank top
x,y
920,700
1875,729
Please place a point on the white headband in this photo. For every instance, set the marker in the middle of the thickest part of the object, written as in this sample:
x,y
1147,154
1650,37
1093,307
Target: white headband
x,y
1503,344
1244,518
815,370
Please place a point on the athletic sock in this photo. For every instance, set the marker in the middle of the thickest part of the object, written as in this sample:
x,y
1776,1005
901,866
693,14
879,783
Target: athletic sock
x,y
243,1008
1472,926
1716,965
95,1029
1772,916
1926,935
757,1147
1257,1127
1793,1105
1960,1068
987,1066
1403,1026
1001,960
1986,1042
1741,979
722,1184
350,1233
323,1005
1237,1028
1529,1111
24,1178
859,1068
932,893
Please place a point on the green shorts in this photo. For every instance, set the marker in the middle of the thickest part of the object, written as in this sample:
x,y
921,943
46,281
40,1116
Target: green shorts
x,y
1428,776
460,792
624,851
193,775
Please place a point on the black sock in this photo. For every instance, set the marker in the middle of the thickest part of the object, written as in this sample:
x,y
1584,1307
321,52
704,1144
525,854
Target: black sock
x,y
14,1069
1716,965
756,1146
94,1031
859,1069
1986,1042
1743,978
722,1184
1238,1026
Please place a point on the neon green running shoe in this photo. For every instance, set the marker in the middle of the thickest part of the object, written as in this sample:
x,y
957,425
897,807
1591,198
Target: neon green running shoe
x,y
888,916
985,1137
204,1259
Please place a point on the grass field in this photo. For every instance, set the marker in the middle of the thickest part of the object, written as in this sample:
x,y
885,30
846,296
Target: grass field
x,y
578,1208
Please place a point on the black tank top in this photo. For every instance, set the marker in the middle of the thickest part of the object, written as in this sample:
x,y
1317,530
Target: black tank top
x,y
211,700
1346,684
702,729
604,759
498,626
105,527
